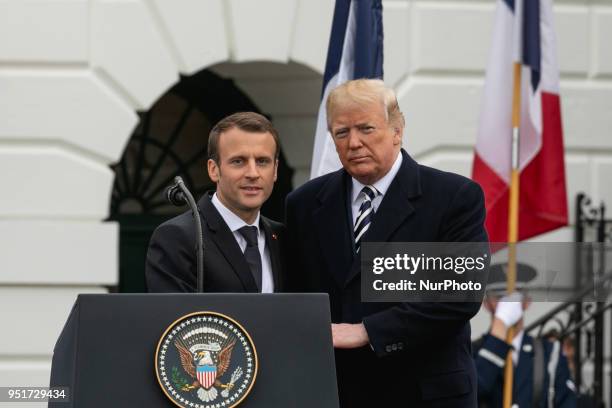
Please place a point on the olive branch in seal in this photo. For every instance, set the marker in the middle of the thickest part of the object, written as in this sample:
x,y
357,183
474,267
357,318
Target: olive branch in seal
x,y
179,381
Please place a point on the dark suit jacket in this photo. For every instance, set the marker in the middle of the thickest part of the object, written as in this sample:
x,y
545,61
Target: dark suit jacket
x,y
420,352
171,258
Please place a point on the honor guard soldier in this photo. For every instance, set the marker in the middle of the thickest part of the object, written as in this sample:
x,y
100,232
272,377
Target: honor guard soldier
x,y
541,374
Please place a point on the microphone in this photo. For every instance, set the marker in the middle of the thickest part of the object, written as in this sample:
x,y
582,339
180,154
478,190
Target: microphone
x,y
178,194
175,195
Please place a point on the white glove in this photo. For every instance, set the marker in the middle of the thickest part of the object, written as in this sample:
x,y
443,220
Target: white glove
x,y
510,309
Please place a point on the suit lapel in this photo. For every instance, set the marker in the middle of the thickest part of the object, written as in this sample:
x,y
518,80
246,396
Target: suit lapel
x,y
272,243
226,243
394,209
331,222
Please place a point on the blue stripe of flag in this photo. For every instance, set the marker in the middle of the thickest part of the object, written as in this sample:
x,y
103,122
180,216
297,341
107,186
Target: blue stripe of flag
x,y
368,39
532,56
531,40
336,40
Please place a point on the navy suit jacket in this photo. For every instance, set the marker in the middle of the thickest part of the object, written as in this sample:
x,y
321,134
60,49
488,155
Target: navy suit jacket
x,y
419,353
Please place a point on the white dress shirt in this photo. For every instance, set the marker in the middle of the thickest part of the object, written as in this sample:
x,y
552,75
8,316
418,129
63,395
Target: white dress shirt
x,y
234,223
381,186
517,342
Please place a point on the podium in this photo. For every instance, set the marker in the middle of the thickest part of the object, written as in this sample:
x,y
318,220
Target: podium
x,y
107,353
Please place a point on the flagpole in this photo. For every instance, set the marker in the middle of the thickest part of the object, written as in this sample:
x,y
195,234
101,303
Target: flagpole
x,y
513,208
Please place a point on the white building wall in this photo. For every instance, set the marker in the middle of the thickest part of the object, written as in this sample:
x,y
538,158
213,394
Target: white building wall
x,y
73,73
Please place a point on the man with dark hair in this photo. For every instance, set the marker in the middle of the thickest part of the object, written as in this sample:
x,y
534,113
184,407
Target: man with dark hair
x,y
387,354
246,121
242,247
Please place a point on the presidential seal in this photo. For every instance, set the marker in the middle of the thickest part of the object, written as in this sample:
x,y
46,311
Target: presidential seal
x,y
206,360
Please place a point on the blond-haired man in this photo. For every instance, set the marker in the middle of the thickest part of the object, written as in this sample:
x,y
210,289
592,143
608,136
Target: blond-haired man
x,y
400,354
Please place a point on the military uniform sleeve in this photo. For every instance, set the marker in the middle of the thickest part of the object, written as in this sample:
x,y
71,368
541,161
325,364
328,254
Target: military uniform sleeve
x,y
490,360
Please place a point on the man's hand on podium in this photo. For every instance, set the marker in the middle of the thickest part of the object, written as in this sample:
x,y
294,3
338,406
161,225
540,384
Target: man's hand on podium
x,y
348,336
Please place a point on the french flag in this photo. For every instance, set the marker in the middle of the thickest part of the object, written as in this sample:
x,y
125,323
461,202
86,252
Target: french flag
x,y
355,51
523,33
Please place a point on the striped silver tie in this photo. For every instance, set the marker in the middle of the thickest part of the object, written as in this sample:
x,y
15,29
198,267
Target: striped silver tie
x,y
364,218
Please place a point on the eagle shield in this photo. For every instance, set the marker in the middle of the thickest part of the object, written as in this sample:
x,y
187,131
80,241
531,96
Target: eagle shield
x,y
206,375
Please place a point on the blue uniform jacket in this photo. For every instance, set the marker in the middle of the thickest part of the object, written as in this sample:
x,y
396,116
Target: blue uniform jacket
x,y
490,354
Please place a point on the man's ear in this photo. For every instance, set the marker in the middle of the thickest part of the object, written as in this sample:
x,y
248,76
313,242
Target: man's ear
x,y
275,169
213,171
398,134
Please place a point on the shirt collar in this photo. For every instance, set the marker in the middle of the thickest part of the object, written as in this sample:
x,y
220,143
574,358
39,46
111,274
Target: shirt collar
x,y
233,221
381,185
517,341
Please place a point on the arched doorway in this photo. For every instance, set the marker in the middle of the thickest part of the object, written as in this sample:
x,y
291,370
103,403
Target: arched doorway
x,y
171,140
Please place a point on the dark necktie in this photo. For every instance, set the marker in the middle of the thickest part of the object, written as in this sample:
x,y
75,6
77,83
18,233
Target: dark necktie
x,y
364,217
251,253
